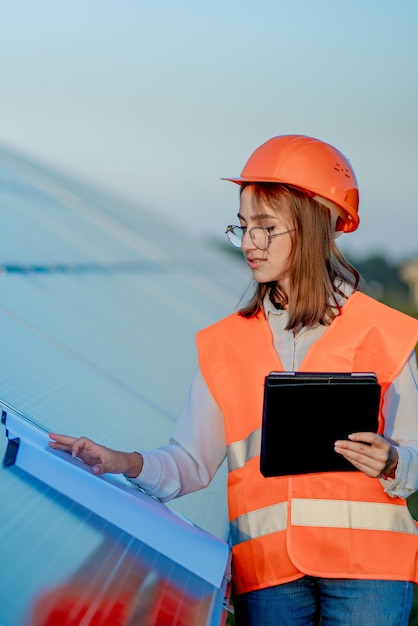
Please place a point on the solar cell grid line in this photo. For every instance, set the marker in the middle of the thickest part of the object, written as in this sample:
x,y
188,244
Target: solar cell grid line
x,y
57,346
72,240
53,322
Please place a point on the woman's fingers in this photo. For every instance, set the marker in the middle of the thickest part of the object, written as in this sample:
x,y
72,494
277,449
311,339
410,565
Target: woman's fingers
x,y
101,458
81,447
61,442
86,449
368,452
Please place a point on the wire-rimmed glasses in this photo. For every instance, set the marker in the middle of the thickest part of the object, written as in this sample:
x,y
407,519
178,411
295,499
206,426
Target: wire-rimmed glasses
x,y
260,236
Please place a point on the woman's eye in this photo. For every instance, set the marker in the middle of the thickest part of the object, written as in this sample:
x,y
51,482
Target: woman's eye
x,y
270,229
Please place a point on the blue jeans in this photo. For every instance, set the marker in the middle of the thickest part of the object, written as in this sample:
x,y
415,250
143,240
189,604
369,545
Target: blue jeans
x,y
336,602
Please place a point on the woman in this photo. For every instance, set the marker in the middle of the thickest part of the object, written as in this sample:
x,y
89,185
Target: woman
x,y
336,546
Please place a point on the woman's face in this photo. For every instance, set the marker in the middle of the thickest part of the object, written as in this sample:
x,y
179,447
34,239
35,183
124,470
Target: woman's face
x,y
271,264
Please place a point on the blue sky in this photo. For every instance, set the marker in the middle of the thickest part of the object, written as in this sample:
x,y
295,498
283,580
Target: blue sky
x,y
156,100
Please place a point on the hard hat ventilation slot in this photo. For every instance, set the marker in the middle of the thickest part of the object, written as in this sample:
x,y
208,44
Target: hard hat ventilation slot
x,y
343,170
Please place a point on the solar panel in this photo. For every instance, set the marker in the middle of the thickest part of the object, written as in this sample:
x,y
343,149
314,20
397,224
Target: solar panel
x,y
99,300
199,560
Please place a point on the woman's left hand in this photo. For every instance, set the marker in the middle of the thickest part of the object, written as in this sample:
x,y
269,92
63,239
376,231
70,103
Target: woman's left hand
x,y
370,453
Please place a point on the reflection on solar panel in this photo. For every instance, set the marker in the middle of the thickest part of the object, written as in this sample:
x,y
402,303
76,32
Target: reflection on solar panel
x,y
99,304
198,559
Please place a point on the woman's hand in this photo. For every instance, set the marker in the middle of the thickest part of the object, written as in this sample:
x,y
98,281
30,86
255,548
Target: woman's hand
x,y
370,453
102,459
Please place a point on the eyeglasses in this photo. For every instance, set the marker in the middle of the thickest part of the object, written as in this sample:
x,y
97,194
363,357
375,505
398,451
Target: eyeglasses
x,y
260,236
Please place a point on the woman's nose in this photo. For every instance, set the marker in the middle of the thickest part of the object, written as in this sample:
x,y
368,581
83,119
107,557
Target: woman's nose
x,y
247,241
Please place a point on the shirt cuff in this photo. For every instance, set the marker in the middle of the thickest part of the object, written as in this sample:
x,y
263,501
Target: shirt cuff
x,y
395,487
146,478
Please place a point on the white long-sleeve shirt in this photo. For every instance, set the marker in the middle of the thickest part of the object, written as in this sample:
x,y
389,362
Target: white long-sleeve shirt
x,y
197,445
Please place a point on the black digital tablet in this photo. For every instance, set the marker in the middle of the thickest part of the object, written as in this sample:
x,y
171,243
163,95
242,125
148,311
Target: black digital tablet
x,y
304,413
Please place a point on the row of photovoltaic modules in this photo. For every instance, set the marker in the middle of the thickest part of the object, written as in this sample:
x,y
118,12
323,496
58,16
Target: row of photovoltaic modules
x,y
99,307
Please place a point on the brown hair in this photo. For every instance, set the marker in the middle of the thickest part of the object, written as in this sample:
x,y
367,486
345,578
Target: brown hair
x,y
317,267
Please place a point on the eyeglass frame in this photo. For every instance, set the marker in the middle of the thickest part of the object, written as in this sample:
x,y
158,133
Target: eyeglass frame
x,y
230,228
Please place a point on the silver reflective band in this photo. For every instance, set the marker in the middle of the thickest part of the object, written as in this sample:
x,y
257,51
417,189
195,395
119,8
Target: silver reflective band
x,y
272,519
240,452
323,514
358,515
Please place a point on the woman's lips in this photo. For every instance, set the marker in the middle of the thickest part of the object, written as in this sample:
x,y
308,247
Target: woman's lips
x,y
255,263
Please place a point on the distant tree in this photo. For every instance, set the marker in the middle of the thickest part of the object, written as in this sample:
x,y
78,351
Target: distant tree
x,y
384,282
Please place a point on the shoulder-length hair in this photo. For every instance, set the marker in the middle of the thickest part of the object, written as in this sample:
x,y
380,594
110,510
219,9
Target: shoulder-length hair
x,y
317,268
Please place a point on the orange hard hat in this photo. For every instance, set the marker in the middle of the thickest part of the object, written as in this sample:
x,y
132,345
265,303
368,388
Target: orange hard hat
x,y
312,166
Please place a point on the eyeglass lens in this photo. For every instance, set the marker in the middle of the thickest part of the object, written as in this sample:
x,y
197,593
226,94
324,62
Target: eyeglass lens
x,y
259,236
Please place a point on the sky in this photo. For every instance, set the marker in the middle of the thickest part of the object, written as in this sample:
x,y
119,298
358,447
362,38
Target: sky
x,y
157,100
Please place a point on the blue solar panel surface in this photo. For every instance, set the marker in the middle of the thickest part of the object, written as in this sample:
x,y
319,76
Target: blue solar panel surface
x,y
100,303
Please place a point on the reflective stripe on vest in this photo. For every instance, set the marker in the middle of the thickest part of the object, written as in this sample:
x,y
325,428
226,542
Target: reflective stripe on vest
x,y
261,522
323,513
239,452
352,514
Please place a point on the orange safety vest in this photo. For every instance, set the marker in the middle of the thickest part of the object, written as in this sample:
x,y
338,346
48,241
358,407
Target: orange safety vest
x,y
340,524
